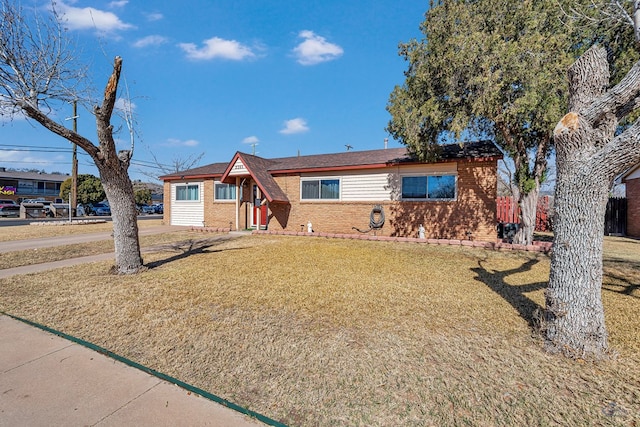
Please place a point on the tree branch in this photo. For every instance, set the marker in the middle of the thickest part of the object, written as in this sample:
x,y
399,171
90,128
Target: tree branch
x,y
103,115
617,99
58,129
622,152
588,79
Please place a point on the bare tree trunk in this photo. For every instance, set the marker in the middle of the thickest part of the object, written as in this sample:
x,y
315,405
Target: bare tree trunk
x,y
528,204
117,185
120,194
589,155
574,313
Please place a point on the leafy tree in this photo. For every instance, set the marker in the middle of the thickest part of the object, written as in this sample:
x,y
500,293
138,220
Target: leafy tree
x,y
38,72
143,196
89,189
487,69
592,149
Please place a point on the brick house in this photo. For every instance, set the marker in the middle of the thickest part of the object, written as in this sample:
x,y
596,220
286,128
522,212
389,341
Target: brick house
x,y
349,192
632,184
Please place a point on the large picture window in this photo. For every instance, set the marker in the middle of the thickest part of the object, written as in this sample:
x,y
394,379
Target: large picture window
x,y
224,191
320,189
429,187
188,192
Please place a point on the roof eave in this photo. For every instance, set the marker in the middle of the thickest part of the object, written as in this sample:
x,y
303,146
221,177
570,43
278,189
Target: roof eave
x,y
188,177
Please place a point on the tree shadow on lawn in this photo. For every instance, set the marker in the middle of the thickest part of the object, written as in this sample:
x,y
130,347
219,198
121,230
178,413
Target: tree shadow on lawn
x,y
627,285
187,248
513,294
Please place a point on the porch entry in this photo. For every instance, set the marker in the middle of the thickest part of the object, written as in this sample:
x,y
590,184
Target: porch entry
x,y
259,210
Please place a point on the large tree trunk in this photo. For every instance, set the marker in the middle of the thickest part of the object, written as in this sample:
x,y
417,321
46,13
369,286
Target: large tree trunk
x,y
121,196
589,155
574,312
117,185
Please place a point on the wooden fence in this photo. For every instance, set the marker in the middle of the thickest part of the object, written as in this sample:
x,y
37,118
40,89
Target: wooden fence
x,y
507,210
615,218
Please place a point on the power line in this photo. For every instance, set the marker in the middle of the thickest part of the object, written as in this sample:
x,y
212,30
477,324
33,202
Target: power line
x,y
46,149
34,162
34,147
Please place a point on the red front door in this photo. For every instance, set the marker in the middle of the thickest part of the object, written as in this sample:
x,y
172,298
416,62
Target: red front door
x,y
259,210
263,216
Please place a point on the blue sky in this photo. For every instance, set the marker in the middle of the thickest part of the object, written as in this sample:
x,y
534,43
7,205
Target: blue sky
x,y
215,77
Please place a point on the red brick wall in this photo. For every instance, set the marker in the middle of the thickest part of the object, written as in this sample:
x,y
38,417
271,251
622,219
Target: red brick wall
x,y
473,212
633,207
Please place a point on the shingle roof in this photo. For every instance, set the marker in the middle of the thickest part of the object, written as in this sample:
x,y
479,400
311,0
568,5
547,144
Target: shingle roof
x,y
34,176
259,170
212,170
469,150
262,170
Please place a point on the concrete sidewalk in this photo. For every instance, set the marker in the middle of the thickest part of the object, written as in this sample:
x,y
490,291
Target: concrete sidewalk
x,y
49,242
46,380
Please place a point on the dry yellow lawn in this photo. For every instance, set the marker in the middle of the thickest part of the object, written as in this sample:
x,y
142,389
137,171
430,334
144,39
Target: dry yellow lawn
x,y
314,331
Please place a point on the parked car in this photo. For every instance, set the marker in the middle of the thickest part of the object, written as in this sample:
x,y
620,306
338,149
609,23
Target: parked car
x,y
9,209
146,209
158,208
99,209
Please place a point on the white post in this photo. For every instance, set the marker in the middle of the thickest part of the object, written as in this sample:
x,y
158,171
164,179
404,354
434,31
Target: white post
x,y
238,190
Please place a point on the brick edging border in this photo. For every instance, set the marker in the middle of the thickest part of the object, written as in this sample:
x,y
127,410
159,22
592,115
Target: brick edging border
x,y
537,246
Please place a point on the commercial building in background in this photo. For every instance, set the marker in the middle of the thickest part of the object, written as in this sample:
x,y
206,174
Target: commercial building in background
x,y
19,186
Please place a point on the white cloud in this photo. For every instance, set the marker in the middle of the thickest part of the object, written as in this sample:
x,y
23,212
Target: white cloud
x,y
83,18
125,105
297,125
118,3
154,16
19,159
250,140
173,142
8,115
154,40
315,49
217,48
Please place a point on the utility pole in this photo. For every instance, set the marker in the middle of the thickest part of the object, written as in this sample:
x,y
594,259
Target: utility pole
x,y
74,163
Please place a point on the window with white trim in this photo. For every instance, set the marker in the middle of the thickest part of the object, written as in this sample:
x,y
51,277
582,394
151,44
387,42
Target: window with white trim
x,y
320,189
224,191
190,192
429,187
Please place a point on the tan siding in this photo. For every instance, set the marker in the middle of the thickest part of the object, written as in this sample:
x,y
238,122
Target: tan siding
x,y
365,187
